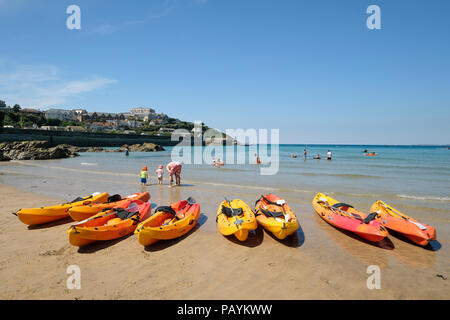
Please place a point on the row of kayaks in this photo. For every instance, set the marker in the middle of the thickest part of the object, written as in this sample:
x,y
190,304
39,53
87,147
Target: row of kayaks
x,y
271,212
373,226
101,217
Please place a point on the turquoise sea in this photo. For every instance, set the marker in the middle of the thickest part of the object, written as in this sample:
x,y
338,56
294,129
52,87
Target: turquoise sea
x,y
417,175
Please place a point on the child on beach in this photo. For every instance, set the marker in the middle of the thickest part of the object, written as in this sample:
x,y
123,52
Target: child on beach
x,y
144,177
159,173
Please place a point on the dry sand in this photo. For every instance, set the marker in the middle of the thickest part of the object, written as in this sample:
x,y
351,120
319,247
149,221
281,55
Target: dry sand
x,y
318,263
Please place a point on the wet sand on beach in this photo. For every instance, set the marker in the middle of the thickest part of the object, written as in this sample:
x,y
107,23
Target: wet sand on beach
x,y
319,262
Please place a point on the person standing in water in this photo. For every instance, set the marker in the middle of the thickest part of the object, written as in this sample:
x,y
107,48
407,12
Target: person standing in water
x,y
159,173
329,155
144,177
174,169
127,152
304,154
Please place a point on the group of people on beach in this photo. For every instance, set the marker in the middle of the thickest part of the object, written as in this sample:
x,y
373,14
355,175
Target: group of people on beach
x,y
173,168
317,156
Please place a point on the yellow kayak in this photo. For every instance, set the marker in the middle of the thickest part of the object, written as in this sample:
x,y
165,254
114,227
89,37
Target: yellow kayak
x,y
34,216
275,215
237,220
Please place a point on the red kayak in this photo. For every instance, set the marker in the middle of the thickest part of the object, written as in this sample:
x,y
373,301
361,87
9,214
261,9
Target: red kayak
x,y
345,217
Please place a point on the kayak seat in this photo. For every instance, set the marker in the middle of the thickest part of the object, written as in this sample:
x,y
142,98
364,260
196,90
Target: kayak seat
x,y
114,198
272,214
167,209
124,214
341,204
231,212
370,217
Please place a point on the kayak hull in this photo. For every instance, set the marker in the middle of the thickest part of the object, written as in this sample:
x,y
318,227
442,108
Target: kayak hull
x,y
240,225
36,216
105,226
397,221
373,231
153,229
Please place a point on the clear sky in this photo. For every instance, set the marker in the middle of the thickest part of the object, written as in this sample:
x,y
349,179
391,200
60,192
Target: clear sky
x,y
310,68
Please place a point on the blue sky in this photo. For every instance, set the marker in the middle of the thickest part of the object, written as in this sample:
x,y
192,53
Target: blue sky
x,y
310,68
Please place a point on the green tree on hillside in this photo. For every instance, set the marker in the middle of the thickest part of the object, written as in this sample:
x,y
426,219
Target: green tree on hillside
x,y
16,108
2,118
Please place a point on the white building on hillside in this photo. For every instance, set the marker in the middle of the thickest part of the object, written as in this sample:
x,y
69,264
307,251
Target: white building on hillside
x,y
61,114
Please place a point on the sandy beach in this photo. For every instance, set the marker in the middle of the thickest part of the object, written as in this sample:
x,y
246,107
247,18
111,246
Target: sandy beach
x,y
319,262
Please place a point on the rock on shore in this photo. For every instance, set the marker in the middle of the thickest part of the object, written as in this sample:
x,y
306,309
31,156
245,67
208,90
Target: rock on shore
x,y
144,147
41,150
34,150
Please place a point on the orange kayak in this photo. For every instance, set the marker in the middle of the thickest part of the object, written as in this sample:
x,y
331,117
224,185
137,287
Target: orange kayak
x,y
35,216
169,222
345,217
393,219
81,213
108,225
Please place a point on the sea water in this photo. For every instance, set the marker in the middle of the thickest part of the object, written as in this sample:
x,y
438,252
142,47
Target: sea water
x,y
413,175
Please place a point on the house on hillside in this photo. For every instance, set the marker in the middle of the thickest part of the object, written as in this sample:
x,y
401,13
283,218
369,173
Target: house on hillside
x,y
142,113
60,114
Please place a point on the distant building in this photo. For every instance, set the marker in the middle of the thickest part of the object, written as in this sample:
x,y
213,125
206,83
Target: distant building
x,y
52,128
34,126
166,129
75,129
79,114
96,126
61,114
142,111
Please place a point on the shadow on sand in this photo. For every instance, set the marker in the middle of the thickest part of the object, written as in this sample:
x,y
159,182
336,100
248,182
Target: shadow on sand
x,y
295,240
433,245
163,244
386,243
100,245
51,224
254,239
